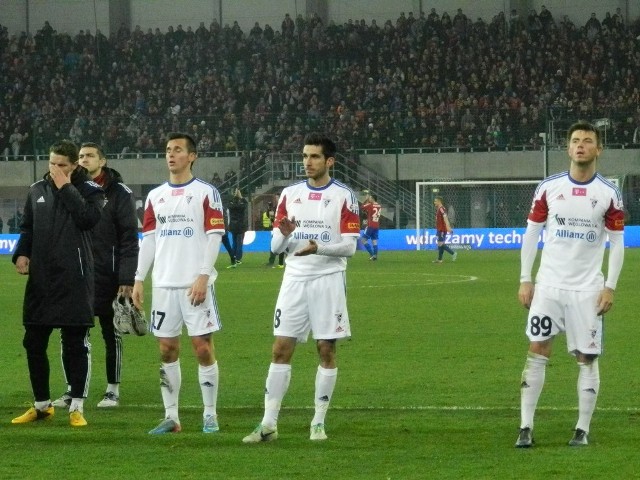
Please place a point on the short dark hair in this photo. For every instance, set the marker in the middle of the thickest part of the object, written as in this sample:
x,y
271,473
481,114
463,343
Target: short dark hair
x,y
93,145
328,146
191,143
66,148
586,127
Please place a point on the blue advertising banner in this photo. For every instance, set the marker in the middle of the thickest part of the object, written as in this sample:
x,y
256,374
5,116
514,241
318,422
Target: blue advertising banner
x,y
464,238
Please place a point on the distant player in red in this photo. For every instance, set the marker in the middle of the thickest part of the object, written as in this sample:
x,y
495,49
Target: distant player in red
x,y
442,228
373,210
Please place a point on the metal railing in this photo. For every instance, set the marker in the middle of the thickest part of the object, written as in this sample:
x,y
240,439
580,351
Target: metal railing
x,y
274,171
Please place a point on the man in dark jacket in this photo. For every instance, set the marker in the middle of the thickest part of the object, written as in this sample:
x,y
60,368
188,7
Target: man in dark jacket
x,y
55,250
115,250
238,224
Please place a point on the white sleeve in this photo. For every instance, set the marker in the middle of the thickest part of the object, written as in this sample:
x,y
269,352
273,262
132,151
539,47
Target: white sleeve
x,y
346,248
146,256
211,253
279,242
616,258
529,250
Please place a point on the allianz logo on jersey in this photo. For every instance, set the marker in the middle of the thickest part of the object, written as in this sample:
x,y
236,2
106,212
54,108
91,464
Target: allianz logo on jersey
x,y
323,237
176,232
589,236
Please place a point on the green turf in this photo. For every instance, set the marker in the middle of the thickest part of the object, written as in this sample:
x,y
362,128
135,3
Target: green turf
x,y
428,386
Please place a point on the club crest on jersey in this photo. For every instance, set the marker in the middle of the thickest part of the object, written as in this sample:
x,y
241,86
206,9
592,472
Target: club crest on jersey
x,y
315,196
189,198
326,201
177,192
579,192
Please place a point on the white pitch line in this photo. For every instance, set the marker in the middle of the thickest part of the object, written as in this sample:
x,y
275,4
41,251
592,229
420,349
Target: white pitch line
x,y
434,281
437,408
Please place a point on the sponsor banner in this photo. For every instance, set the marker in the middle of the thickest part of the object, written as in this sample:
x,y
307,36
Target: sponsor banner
x,y
462,239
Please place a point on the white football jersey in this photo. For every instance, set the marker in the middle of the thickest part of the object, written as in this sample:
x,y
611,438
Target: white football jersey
x,y
577,218
322,214
181,217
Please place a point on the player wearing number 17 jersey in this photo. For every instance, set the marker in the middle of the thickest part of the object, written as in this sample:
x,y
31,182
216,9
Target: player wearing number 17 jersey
x,y
578,209
317,222
182,231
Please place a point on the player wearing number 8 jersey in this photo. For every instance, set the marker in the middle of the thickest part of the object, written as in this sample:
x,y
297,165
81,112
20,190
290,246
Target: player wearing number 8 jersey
x,y
578,209
182,231
317,222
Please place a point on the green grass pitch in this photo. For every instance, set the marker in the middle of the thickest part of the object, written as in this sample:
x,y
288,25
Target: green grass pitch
x,y
428,386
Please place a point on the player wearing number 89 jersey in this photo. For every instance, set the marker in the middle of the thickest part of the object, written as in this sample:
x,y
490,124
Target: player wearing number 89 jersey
x,y
578,209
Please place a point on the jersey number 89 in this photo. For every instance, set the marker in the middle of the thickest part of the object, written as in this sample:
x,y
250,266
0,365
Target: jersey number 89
x,y
540,326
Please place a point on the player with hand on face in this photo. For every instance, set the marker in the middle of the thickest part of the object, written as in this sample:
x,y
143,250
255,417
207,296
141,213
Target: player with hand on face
x,y
55,251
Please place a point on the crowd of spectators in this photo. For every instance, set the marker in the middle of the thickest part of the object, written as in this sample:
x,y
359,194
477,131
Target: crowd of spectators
x,y
426,80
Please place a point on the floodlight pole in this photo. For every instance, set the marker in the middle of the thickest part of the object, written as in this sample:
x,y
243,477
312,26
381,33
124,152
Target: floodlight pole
x,y
397,154
545,153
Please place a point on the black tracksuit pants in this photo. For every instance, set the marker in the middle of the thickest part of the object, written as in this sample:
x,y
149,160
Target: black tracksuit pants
x,y
76,355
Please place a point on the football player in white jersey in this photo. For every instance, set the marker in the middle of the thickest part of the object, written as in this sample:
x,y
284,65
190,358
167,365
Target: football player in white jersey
x,y
317,222
578,209
181,235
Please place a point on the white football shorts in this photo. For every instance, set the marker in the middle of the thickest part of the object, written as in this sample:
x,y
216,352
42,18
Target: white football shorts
x,y
554,310
318,304
171,309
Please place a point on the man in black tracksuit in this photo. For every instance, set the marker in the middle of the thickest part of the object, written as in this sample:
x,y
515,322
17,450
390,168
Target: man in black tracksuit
x,y
238,223
55,250
115,249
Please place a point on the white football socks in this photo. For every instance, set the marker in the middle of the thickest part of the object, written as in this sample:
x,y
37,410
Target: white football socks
x,y
208,378
588,387
325,384
531,387
276,387
170,383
